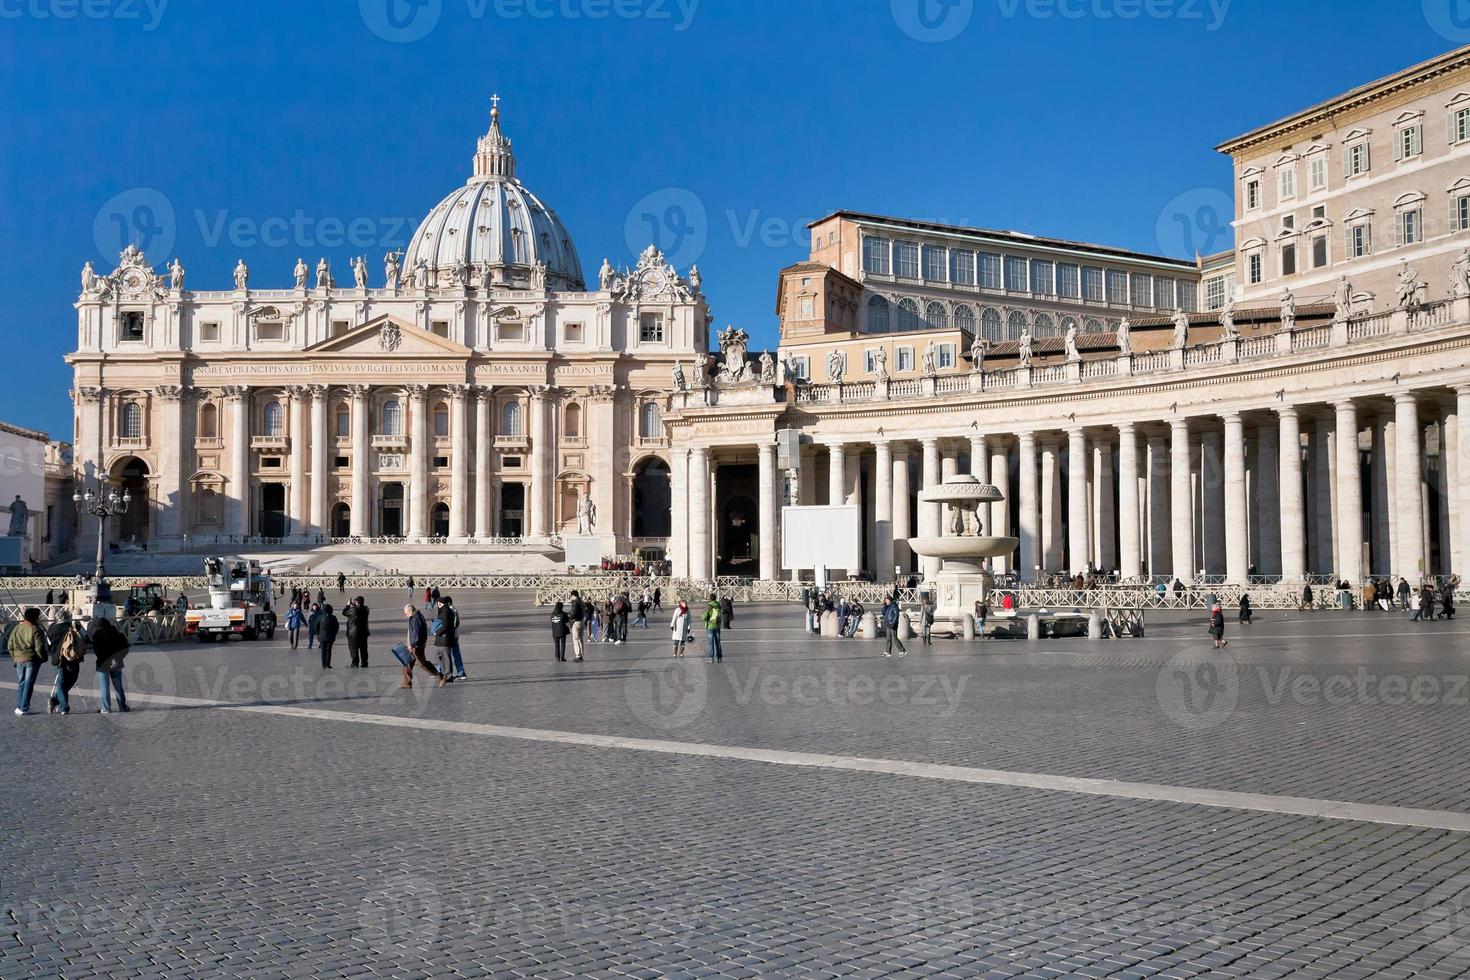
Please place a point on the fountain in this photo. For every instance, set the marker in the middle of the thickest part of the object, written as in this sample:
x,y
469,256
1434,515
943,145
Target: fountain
x,y
961,579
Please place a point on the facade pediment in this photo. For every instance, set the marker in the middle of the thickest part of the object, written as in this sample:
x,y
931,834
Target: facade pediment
x,y
389,336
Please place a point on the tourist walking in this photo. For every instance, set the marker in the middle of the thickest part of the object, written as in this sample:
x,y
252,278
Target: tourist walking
x,y
1307,596
109,647
559,631
416,641
342,583
576,613
609,622
446,605
1217,626
658,599
1415,606
890,628
642,617
679,627
68,647
1427,600
410,588
713,649
294,621
621,608
313,625
1245,609
357,631
727,610
926,619
26,644
1403,593
327,634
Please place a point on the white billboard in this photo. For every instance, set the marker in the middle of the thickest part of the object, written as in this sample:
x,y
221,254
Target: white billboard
x,y
821,537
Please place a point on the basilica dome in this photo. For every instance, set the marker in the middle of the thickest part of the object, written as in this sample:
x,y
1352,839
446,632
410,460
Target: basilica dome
x,y
493,230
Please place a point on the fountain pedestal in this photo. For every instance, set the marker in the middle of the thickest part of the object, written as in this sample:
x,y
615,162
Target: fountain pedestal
x,y
962,579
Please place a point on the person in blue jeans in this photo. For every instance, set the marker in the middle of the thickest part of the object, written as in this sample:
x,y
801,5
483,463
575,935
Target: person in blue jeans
x,y
27,648
109,646
448,636
714,652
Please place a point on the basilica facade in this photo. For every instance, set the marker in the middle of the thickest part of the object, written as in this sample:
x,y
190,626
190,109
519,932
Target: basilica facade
x,y
477,393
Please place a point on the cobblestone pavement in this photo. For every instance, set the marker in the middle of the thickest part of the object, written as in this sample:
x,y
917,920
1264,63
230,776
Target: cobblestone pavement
x,y
191,838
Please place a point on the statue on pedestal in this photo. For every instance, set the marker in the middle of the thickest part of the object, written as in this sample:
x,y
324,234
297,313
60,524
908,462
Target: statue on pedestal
x,y
242,275
1181,328
586,515
1070,343
176,274
1460,274
1124,336
836,366
1023,348
301,273
1343,299
391,269
19,514
1288,310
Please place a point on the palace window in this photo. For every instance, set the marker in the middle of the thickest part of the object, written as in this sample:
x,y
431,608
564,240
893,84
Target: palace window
x,y
572,422
392,418
1015,274
1042,273
1141,289
1092,325
1188,295
1252,194
439,328
936,317
990,324
1042,325
961,267
1356,160
1288,259
1317,172
270,330
1460,212
132,421
1067,280
572,333
1409,142
944,356
1163,292
274,419
904,359
510,331
510,419
906,260
964,319
651,328
1460,125
1117,287
935,263
1015,324
1360,240
1411,226
441,420
870,360
1254,269
1286,182
208,422
650,423
1319,251
876,255
1092,284
344,422
1217,288
801,367
990,277
878,319
908,315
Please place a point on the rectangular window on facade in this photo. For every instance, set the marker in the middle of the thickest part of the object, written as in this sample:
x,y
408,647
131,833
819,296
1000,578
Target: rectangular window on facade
x,y
1214,292
1411,226
990,270
651,328
1041,278
944,356
1092,284
440,328
904,361
906,260
961,267
1254,268
1317,172
1252,194
1319,251
1141,289
1163,292
510,331
270,330
1286,183
803,368
441,462
1188,296
1067,274
1288,260
1460,126
1288,221
341,462
1356,158
339,327
1461,213
573,333
870,360
1015,274
209,333
1117,287
1360,241
935,263
1410,142
875,255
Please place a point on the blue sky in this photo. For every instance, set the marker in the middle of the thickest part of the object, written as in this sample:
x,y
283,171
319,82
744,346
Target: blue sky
x,y
273,129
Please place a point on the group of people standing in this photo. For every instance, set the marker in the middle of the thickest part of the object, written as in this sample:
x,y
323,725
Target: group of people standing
x,y
444,632
64,645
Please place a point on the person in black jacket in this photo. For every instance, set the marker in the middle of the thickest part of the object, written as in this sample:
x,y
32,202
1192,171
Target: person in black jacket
x,y
576,613
418,638
559,631
327,634
727,611
357,631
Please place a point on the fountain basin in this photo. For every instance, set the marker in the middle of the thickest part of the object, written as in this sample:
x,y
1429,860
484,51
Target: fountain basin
x,y
963,549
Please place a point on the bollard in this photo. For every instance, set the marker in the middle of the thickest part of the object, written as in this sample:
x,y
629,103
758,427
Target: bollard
x,y
829,624
1094,626
969,626
868,626
905,628
1033,627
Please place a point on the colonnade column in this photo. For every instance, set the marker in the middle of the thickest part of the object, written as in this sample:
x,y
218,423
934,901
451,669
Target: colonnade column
x,y
484,443
1028,518
1104,555
1000,517
1181,505
1460,486
1237,531
300,522
172,480
1350,495
321,439
1130,565
699,530
1051,507
1078,536
902,523
1292,508
929,517
836,474
418,461
883,508
539,497
239,514
459,462
1267,495
360,516
767,494
980,470
1160,539
1211,505
1324,467
1409,559
679,504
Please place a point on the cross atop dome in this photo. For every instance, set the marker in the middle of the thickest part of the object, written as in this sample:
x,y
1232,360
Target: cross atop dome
x,y
493,156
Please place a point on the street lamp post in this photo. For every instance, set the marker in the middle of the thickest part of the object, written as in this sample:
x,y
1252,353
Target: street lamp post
x,y
104,503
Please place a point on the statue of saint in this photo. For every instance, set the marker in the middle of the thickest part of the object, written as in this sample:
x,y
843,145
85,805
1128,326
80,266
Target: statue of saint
x,y
1227,319
586,515
1343,299
1288,310
929,360
359,272
681,383
880,364
836,366
19,514
301,273
605,275
538,275
242,275
323,274
978,349
1070,343
768,368
1409,286
1181,328
695,280
1124,336
89,278
1023,348
1460,274
391,269
176,274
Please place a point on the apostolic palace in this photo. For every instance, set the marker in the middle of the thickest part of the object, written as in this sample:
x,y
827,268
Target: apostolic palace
x,y
1286,408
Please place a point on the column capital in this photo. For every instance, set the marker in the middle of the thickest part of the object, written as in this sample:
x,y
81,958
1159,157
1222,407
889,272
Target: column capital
x,y
1125,428
1076,432
1177,425
359,392
930,441
1285,411
417,392
318,393
171,393
1232,418
457,392
766,449
1345,404
1462,391
297,392
234,392
1412,398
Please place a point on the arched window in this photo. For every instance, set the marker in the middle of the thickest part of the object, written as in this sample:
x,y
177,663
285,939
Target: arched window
x,y
1044,326
1015,324
132,421
275,419
878,319
1092,325
935,316
510,419
572,424
990,324
964,318
441,420
392,418
650,423
908,316
208,421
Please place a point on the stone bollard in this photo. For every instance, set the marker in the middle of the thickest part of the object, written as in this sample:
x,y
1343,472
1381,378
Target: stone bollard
x,y
1033,627
969,626
829,624
1094,626
868,626
905,628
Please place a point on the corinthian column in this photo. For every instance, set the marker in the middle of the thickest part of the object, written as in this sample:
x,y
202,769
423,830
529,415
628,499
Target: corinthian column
x,y
903,556
1237,532
321,440
1000,518
299,518
1350,494
767,494
540,502
1078,535
1293,513
418,462
1130,563
836,474
699,531
459,462
1028,517
170,440
484,442
362,504
883,508
1181,507
1410,558
239,504
929,515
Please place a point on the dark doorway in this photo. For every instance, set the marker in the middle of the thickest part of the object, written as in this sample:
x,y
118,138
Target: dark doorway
x,y
439,520
390,519
652,500
341,521
738,516
512,510
273,510
131,475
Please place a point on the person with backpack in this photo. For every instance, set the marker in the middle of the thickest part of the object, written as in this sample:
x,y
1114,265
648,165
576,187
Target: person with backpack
x,y
109,647
26,643
327,635
294,621
357,631
1217,627
890,628
560,630
68,647
713,649
642,619
451,617
679,627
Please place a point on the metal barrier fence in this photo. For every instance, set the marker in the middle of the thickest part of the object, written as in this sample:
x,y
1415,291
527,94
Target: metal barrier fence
x,y
165,626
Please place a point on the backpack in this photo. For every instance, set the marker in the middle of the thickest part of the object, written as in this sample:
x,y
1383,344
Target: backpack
x,y
69,650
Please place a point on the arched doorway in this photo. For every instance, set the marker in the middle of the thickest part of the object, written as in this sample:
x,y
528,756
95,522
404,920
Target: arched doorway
x,y
738,536
512,510
439,520
341,521
273,510
652,499
390,516
130,474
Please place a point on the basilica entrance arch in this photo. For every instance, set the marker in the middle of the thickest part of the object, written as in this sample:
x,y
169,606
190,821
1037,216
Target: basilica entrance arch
x,y
341,520
390,511
652,504
512,510
130,474
273,510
